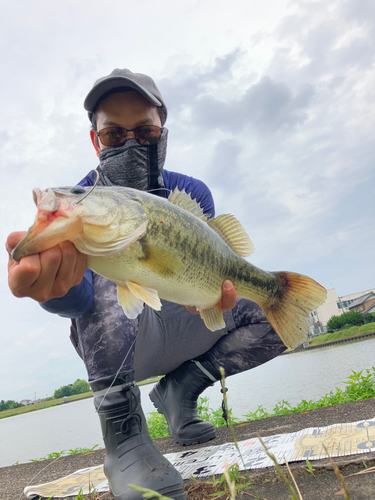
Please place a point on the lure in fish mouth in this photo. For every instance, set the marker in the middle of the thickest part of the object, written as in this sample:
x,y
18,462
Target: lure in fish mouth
x,y
156,248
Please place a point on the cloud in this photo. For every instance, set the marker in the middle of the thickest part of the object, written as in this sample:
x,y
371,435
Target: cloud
x,y
188,81
273,109
267,105
225,158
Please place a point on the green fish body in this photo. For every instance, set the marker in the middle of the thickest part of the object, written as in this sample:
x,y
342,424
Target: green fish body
x,y
155,248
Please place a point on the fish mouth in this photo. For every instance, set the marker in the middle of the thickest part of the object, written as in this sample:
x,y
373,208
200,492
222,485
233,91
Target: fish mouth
x,y
53,225
42,236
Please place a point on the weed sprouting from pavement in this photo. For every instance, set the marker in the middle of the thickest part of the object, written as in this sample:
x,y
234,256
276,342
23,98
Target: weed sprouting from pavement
x,y
279,469
58,454
339,475
310,467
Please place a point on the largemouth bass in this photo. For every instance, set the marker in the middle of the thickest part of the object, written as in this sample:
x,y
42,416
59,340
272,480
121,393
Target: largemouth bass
x,y
156,248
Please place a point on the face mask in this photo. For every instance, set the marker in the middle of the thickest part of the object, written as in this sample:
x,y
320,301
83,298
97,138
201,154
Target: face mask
x,y
134,166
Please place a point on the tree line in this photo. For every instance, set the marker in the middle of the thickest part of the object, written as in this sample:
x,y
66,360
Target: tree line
x,y
79,387
349,319
9,405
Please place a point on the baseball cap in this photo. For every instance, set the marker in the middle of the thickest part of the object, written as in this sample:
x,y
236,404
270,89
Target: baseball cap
x,y
126,78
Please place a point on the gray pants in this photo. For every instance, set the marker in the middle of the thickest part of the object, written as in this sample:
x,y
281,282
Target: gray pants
x,y
157,342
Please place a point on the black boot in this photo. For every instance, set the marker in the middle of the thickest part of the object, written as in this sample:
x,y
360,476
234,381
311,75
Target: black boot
x,y
175,396
131,456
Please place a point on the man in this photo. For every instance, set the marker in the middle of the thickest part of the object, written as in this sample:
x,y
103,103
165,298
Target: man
x,y
128,114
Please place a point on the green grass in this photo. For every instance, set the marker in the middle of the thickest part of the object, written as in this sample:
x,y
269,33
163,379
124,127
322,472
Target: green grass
x,y
64,453
358,386
158,427
343,334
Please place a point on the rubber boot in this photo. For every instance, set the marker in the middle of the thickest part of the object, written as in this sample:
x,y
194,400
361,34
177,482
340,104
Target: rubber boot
x,y
131,457
176,395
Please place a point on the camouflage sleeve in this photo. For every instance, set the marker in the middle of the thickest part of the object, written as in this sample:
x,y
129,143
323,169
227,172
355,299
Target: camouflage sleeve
x,y
77,301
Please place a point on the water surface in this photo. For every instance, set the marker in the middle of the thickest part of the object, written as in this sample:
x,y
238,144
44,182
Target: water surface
x,y
306,375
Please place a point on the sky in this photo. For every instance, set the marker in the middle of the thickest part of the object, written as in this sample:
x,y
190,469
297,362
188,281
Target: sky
x,y
270,103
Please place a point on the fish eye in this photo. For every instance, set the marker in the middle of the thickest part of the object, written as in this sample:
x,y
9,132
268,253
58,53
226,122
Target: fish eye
x,y
77,190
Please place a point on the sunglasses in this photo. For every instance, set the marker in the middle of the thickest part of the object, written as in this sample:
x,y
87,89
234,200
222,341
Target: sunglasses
x,y
146,135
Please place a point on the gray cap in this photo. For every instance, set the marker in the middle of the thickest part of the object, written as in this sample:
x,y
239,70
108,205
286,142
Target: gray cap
x,y
125,78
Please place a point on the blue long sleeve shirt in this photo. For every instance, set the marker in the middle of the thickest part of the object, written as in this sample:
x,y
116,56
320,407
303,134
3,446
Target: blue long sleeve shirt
x,y
80,298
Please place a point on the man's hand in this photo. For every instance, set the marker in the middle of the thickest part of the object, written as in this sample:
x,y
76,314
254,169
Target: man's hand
x,y
228,299
47,275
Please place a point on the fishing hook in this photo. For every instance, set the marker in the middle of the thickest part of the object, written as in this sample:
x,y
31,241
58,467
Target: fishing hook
x,y
91,190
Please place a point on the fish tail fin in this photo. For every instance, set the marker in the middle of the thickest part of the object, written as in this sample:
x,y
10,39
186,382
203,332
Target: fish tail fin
x,y
290,317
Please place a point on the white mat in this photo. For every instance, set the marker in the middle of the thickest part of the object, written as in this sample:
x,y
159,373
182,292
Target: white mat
x,y
339,439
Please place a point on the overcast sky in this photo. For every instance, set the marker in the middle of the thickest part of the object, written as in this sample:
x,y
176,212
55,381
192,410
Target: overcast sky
x,y
270,103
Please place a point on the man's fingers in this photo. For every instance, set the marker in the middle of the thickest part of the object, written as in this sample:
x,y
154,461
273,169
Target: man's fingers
x,y
11,243
43,288
192,309
13,240
71,269
81,267
229,297
47,275
23,275
228,300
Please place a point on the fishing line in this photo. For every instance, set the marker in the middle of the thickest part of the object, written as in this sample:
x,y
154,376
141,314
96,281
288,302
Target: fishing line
x,y
115,377
158,189
59,458
32,479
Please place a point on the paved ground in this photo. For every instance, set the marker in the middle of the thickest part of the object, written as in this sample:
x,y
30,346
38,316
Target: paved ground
x,y
323,485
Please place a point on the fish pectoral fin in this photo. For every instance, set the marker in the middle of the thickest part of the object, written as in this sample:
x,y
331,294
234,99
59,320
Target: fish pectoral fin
x,y
213,318
132,305
147,295
232,232
132,298
161,261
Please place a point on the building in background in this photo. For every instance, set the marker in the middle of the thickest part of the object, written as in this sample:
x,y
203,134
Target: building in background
x,y
26,402
335,306
363,303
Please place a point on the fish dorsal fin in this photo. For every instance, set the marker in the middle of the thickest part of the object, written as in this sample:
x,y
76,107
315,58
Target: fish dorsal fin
x,y
183,200
227,226
232,232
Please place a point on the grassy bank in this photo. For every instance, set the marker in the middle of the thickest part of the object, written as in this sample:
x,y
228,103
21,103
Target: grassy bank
x,y
56,402
343,334
43,404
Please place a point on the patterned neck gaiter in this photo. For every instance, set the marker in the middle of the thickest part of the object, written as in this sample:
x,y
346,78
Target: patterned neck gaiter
x,y
134,166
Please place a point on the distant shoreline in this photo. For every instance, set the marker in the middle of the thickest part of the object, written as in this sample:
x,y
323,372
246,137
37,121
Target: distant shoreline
x,y
351,340
56,402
